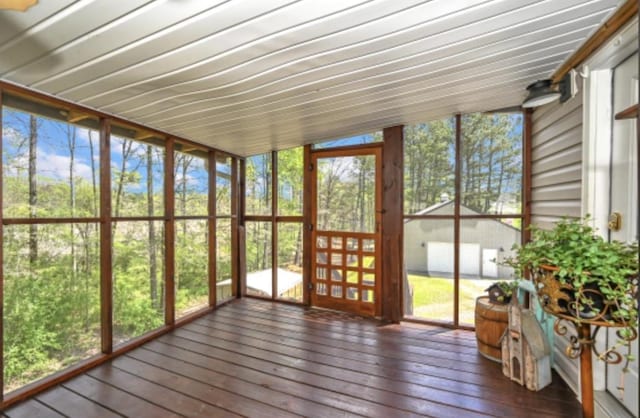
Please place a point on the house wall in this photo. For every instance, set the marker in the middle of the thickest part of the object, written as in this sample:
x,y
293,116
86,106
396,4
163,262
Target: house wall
x,y
556,170
556,186
488,233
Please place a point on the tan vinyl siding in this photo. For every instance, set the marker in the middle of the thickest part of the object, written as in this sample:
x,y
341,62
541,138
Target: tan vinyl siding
x,y
556,161
556,182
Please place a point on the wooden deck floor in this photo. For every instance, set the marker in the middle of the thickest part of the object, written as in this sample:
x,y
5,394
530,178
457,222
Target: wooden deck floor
x,y
260,359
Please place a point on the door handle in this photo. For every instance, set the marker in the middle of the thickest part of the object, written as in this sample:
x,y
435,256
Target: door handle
x,y
615,221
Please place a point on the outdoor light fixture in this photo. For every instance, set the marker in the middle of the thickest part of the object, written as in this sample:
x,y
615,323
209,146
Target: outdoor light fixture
x,y
542,91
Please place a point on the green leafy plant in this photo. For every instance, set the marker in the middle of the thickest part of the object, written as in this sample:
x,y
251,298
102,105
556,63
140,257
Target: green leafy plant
x,y
584,264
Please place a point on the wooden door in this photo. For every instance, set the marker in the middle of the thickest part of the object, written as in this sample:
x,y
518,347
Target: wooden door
x,y
346,222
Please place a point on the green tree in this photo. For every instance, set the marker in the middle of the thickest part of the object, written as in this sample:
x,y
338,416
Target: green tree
x,y
429,163
491,162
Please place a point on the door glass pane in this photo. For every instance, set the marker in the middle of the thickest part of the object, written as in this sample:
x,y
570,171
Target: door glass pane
x,y
429,166
483,244
346,193
428,255
492,163
624,199
290,261
259,272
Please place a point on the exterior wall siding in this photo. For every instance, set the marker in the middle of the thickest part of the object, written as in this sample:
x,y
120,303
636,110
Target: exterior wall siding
x,y
556,186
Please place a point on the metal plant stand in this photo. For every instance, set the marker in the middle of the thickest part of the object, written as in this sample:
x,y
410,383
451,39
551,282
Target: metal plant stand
x,y
555,300
582,346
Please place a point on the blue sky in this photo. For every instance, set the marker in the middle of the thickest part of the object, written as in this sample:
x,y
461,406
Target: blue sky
x,y
53,155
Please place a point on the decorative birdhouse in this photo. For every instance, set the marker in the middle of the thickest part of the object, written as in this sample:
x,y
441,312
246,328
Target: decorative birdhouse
x,y
526,354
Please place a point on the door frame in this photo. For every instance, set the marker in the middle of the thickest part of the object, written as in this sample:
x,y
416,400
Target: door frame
x,y
597,76
362,308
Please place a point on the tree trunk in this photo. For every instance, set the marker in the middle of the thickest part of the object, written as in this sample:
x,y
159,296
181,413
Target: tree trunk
x,y
186,162
153,262
127,146
71,142
96,211
93,174
489,194
33,189
360,197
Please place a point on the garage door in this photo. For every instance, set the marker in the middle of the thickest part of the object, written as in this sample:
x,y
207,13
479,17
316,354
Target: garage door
x,y
440,258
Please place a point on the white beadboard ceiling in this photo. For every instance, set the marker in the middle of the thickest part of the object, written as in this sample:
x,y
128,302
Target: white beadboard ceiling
x,y
250,76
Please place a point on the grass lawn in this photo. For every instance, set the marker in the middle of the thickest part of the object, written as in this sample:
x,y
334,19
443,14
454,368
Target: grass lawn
x,y
433,297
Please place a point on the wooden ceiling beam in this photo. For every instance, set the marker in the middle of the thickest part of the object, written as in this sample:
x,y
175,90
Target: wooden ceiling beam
x,y
624,14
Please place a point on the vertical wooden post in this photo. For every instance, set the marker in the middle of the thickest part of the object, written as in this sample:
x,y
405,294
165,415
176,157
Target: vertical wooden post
x,y
392,223
169,233
237,202
211,228
306,225
456,222
586,371
274,225
106,273
527,147
526,174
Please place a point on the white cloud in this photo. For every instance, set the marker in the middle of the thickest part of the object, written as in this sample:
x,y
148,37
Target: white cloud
x,y
57,166
11,134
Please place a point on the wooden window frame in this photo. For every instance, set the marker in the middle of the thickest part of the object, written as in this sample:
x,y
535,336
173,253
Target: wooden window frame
x,y
274,219
458,218
105,221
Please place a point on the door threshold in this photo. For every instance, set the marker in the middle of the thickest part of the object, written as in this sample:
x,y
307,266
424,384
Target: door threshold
x,y
607,406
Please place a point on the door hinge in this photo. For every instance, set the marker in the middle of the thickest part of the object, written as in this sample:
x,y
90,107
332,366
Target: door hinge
x,y
310,286
311,167
310,227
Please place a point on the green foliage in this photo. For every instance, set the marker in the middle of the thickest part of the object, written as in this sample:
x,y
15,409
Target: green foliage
x,y
290,181
52,271
582,258
51,306
429,165
191,278
491,163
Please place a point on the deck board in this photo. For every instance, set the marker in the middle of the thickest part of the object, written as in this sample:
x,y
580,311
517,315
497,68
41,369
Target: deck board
x,y
256,358
32,409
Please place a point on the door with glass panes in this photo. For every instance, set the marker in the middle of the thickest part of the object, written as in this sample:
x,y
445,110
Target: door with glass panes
x,y
346,222
624,204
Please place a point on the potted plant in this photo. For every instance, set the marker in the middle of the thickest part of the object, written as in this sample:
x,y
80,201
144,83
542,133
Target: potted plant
x,y
580,276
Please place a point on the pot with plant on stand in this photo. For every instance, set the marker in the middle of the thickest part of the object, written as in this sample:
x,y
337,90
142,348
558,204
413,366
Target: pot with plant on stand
x,y
583,279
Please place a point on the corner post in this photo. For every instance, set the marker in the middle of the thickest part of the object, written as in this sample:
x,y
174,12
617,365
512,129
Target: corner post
x,y
392,223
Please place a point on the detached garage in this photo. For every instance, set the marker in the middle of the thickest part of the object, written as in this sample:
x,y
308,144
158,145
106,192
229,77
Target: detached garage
x,y
429,244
